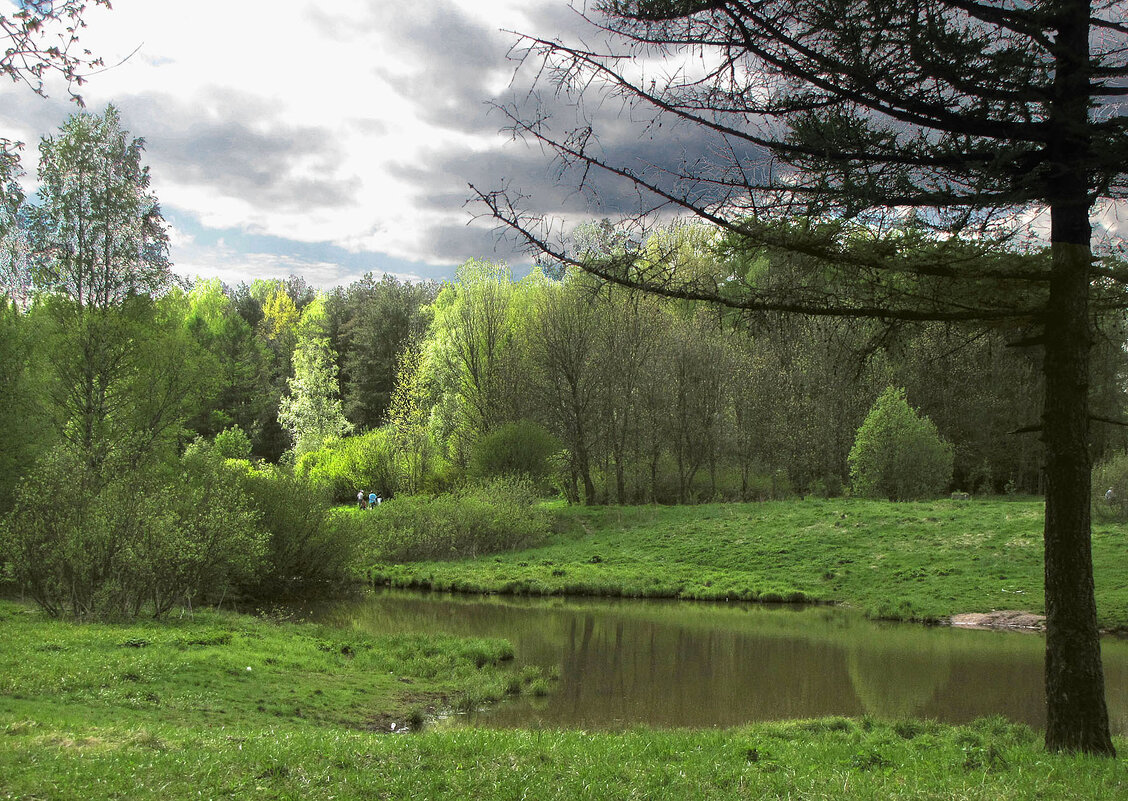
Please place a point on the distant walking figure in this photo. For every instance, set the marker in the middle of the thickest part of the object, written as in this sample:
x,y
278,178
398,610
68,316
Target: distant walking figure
x,y
1109,495
372,500
360,499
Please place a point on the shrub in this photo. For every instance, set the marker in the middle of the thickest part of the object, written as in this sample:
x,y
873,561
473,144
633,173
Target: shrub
x,y
515,449
307,551
495,516
367,463
232,443
218,540
898,454
110,542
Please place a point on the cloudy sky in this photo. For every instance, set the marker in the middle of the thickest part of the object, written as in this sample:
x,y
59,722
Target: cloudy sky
x,y
320,139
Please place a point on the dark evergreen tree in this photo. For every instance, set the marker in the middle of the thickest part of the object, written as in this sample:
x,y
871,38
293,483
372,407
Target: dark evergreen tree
x,y
371,322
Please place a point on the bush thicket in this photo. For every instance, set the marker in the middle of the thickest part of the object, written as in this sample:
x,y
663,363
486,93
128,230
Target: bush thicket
x,y
232,443
1111,474
308,551
114,541
498,515
515,449
898,453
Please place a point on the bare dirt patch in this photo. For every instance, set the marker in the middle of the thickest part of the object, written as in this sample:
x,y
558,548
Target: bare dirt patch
x,y
1001,619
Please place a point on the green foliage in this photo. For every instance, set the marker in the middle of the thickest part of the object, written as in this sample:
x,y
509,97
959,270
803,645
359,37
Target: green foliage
x,y
232,443
499,515
312,412
1111,475
308,552
97,230
898,454
240,361
415,457
514,449
217,541
372,322
473,352
342,467
25,429
114,541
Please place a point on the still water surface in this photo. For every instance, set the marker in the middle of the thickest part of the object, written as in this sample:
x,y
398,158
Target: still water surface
x,y
669,663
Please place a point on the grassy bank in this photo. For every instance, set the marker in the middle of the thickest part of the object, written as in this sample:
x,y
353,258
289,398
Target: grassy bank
x,y
171,711
223,669
60,758
911,561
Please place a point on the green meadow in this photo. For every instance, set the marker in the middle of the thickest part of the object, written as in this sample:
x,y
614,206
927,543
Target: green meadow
x,y
918,561
171,711
222,705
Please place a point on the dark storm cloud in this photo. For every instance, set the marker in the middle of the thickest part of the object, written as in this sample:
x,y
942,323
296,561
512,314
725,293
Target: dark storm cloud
x,y
212,141
462,60
480,240
458,59
524,168
220,140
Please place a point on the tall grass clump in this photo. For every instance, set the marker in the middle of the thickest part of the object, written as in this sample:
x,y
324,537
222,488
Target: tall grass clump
x,y
498,515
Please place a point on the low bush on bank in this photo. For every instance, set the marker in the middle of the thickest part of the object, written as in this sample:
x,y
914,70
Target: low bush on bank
x,y
118,541
499,515
308,551
113,541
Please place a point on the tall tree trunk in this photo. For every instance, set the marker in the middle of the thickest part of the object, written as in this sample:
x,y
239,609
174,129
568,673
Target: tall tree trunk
x,y
1076,715
585,473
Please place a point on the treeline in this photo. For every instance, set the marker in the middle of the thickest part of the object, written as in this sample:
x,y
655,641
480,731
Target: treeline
x,y
127,478
631,398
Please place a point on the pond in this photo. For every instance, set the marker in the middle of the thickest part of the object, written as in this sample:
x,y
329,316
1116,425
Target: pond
x,y
672,664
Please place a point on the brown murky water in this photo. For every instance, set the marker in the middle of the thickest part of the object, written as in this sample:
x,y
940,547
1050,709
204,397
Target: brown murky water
x,y
673,664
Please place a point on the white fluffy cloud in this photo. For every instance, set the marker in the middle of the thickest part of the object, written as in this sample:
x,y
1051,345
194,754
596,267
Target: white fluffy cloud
x,y
303,122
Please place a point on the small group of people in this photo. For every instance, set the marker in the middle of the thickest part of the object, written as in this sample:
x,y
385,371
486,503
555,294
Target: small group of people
x,y
372,501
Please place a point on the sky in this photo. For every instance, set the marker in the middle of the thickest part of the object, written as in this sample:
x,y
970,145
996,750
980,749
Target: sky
x,y
328,140
319,139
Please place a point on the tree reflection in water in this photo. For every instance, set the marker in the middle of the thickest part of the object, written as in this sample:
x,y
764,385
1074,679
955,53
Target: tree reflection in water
x,y
667,663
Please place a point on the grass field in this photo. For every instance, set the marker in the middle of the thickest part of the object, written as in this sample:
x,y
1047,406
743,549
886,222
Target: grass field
x,y
171,711
219,705
905,561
